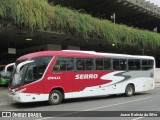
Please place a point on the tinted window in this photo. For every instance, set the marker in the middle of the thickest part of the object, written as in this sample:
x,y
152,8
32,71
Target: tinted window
x,y
123,64
116,65
64,64
137,65
107,64
133,64
147,64
80,64
84,64
89,64
119,64
99,64
103,64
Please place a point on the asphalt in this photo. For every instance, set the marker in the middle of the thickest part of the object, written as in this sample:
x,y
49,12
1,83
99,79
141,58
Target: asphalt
x,y
142,102
4,99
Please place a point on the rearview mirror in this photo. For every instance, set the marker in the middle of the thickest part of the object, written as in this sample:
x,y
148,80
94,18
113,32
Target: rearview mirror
x,y
16,79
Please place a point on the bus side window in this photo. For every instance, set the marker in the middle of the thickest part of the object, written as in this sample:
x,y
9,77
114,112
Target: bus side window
x,y
69,65
107,64
56,66
89,64
147,64
137,65
134,64
99,63
103,64
119,64
116,65
80,64
64,64
84,64
123,64
131,65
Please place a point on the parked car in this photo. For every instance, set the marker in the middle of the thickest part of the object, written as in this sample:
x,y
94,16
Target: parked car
x,y
5,77
5,74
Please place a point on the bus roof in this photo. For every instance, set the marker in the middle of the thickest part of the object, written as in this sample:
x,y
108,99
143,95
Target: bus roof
x,y
78,53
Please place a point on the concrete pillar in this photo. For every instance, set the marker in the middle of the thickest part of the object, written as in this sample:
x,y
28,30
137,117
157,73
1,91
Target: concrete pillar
x,y
73,48
53,47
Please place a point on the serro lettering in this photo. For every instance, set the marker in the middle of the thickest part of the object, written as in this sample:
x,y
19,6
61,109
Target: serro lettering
x,y
86,76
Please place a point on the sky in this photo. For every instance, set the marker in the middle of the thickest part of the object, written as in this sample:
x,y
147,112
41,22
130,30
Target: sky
x,y
156,2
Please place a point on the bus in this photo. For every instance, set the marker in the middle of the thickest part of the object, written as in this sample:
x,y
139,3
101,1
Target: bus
x,y
56,75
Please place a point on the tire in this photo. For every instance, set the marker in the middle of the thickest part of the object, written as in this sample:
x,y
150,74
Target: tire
x,y
129,90
55,97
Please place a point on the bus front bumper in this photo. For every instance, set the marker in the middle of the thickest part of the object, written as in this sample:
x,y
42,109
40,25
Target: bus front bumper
x,y
28,97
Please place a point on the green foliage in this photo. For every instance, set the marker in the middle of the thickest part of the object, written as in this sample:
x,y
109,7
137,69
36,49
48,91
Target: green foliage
x,y
3,8
27,13
38,14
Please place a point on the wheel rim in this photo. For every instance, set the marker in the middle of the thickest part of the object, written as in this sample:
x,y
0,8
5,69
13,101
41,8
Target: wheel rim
x,y
55,97
130,91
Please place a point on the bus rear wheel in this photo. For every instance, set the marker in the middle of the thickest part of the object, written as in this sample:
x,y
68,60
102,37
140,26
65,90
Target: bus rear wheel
x,y
129,90
55,97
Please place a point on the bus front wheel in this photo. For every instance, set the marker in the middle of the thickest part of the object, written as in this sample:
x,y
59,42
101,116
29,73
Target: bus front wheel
x,y
129,90
55,97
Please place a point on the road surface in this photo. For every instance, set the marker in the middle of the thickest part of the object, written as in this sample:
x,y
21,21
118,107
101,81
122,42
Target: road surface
x,y
147,101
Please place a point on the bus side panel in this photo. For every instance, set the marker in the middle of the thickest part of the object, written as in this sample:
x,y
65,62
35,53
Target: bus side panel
x,y
88,81
142,81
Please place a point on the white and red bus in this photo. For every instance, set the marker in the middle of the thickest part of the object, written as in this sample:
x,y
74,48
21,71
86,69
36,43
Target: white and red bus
x,y
56,75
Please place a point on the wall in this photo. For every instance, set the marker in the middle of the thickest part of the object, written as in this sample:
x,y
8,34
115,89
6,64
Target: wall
x,y
157,77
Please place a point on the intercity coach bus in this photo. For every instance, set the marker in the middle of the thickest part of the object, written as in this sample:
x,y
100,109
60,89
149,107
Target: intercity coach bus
x,y
56,75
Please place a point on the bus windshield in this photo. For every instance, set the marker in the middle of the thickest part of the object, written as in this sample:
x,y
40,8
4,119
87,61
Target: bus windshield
x,y
29,71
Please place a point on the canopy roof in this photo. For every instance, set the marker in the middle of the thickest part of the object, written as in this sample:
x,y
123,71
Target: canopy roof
x,y
40,15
